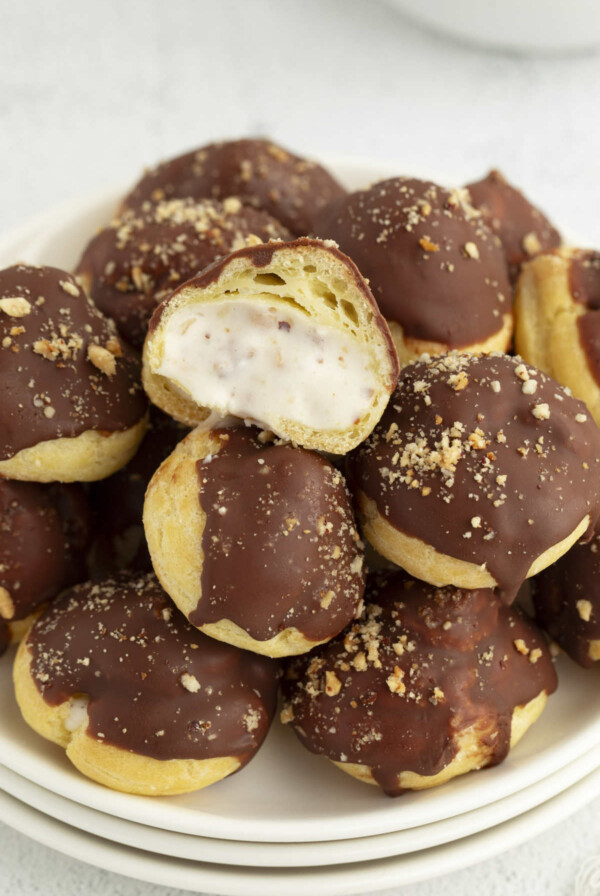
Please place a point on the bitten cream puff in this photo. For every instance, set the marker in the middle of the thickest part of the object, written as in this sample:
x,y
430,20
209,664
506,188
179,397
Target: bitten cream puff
x,y
141,701
437,272
482,472
143,255
255,541
286,335
558,320
45,531
426,685
259,172
566,597
522,228
72,407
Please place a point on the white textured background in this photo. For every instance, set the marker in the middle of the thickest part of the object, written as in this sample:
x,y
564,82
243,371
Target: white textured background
x,y
91,91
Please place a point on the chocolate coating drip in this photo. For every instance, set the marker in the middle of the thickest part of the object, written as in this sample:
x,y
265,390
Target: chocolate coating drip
x,y
118,502
259,172
44,533
156,686
63,369
280,543
432,264
486,459
522,228
584,282
566,597
143,255
421,665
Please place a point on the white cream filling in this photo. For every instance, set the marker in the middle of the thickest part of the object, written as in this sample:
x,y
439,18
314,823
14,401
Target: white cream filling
x,y
264,361
77,713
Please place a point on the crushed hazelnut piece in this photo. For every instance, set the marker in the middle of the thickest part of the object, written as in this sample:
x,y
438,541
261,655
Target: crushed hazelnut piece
x,y
584,608
190,683
395,681
531,243
541,411
15,306
332,684
521,646
102,359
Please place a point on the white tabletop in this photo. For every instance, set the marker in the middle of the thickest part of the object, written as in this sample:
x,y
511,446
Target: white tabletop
x,y
92,91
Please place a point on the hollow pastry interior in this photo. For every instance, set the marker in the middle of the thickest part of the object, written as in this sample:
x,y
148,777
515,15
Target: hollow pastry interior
x,y
550,311
141,702
294,344
427,684
255,543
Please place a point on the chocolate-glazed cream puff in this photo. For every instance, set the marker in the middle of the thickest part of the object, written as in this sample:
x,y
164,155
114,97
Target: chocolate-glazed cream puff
x,y
44,534
118,502
286,335
482,472
566,598
144,254
72,407
437,272
141,701
426,685
258,172
255,541
557,314
522,228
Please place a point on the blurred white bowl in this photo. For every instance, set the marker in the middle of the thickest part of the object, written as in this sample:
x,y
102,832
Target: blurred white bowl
x,y
521,25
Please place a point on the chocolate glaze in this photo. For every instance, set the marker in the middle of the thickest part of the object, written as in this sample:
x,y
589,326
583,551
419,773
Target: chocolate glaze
x,y
50,389
118,502
584,282
4,637
280,543
466,460
144,254
522,228
420,666
259,172
561,594
411,239
263,256
44,533
157,686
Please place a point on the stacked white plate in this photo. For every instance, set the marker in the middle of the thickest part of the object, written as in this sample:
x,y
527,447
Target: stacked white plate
x,y
289,820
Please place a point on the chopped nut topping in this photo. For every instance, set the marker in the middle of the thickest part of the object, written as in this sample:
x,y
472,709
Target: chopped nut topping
x,y
190,682
428,245
332,684
102,359
521,646
535,655
15,306
541,411
531,243
395,681
584,608
471,250
287,714
69,288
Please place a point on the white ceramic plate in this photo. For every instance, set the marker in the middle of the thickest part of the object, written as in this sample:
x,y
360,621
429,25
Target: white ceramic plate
x,y
286,794
336,880
289,855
